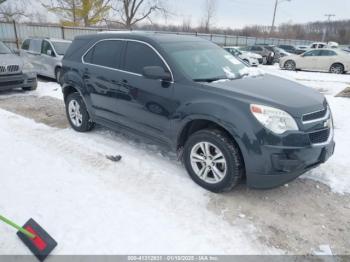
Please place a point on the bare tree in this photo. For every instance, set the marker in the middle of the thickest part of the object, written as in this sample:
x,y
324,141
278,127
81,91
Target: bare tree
x,y
209,15
14,10
131,12
186,24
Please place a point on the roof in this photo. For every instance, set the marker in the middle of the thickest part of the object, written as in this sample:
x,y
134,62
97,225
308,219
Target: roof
x,y
143,36
51,39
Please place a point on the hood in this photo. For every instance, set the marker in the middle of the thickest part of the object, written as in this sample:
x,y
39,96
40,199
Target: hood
x,y
11,59
270,90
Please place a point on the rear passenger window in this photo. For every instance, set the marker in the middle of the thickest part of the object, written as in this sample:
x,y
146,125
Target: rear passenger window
x,y
139,55
328,53
25,45
106,53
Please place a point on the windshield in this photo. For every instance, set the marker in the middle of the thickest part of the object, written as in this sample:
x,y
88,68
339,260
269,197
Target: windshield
x,y
4,49
203,61
61,47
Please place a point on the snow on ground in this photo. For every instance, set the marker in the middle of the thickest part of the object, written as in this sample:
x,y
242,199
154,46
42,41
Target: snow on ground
x,y
335,172
144,204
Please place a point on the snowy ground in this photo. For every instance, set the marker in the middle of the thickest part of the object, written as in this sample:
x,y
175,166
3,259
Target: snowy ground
x,y
147,204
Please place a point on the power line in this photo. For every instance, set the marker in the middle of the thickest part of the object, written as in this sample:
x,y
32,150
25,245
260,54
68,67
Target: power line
x,y
326,29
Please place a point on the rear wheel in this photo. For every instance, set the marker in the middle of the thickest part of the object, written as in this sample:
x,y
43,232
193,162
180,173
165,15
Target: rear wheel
x,y
77,114
337,69
213,160
290,65
58,74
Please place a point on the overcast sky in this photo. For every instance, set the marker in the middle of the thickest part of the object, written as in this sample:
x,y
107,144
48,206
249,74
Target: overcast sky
x,y
238,13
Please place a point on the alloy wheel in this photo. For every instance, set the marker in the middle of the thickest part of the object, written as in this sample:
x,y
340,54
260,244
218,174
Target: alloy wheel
x,y
75,115
208,162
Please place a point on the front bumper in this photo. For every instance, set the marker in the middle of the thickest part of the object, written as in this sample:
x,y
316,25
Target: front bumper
x,y
283,164
23,80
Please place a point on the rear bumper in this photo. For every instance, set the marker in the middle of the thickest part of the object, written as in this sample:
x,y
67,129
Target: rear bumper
x,y
286,164
8,82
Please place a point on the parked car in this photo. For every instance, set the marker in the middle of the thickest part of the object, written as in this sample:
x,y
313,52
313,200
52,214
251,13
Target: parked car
x,y
46,55
278,52
291,49
318,45
302,47
267,55
190,95
15,72
329,60
248,57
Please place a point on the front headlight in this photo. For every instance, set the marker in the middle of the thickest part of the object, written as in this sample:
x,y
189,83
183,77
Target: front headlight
x,y
27,67
274,119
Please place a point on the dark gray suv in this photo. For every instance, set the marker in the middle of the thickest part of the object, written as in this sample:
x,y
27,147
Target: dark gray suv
x,y
194,97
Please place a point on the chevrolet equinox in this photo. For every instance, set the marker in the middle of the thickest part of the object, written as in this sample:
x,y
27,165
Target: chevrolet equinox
x,y
185,92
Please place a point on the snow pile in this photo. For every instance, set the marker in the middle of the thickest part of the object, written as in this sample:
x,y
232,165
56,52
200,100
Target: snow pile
x,y
144,204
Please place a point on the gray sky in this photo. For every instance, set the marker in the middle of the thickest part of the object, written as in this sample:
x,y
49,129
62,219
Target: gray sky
x,y
238,13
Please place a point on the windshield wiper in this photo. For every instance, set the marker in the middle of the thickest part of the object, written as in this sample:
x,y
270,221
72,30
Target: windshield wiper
x,y
209,80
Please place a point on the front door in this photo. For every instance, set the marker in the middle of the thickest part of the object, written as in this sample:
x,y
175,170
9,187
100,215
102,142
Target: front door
x,y
308,60
149,104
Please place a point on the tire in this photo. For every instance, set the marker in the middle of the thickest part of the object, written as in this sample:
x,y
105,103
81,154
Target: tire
x,y
58,74
29,88
246,61
218,142
337,69
79,119
290,65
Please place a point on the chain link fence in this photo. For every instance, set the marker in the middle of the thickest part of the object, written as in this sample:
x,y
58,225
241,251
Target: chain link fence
x,y
12,34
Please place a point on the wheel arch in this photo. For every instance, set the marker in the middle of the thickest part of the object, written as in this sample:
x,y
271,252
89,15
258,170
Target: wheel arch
x,y
201,123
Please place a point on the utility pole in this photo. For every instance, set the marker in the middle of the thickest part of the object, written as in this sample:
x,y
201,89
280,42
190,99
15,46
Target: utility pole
x,y
275,12
326,29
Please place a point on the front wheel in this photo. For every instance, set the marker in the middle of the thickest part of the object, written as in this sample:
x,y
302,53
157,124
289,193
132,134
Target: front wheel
x,y
213,160
77,114
290,65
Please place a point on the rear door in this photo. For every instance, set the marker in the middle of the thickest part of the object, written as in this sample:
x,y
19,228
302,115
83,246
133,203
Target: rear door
x,y
102,77
326,59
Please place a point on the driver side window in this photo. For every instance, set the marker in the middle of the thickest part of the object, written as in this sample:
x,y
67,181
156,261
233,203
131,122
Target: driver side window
x,y
46,48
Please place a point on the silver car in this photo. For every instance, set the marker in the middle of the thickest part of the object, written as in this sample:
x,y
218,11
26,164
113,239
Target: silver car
x,y
15,72
330,60
46,55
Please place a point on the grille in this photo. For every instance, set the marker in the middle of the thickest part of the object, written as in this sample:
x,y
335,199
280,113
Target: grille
x,y
315,115
9,69
12,68
11,83
319,136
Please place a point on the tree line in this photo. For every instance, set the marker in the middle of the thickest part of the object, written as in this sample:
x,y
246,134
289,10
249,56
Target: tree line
x,y
138,14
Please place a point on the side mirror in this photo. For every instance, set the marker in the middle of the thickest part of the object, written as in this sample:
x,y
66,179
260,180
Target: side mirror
x,y
49,52
156,73
15,51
